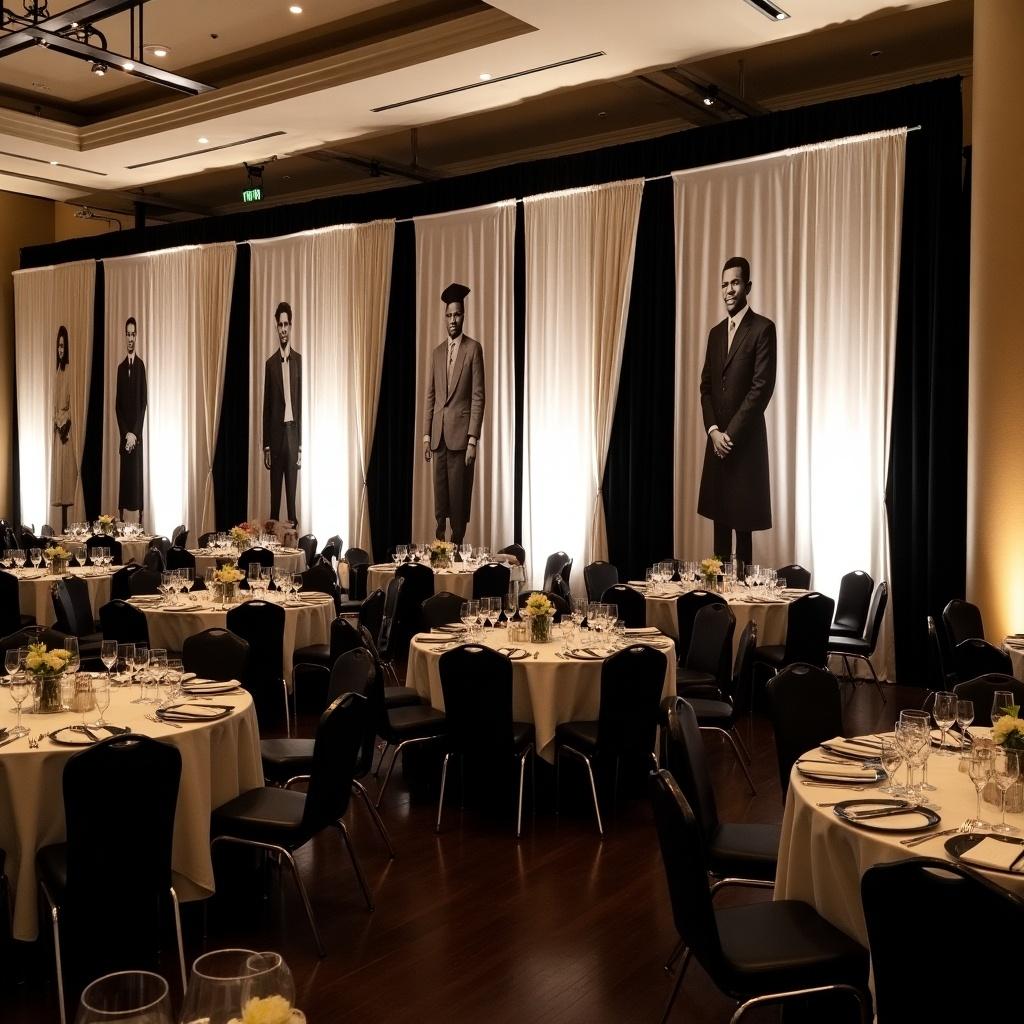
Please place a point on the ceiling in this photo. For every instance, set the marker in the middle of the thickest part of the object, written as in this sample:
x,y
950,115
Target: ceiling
x,y
321,99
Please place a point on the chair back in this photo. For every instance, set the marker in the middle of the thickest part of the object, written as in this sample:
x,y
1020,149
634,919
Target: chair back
x,y
686,759
154,560
939,664
711,643
805,708
973,658
10,604
205,538
321,578
743,667
598,577
962,621
387,637
344,638
517,551
307,545
332,549
807,628
632,605
180,558
491,580
371,613
417,585
260,555
161,544
981,689
261,625
124,623
795,576
441,609
931,893
357,575
144,581
27,540
356,671
340,736
631,685
852,604
687,606
560,603
46,532
179,536
110,543
357,556
29,635
876,613
72,595
477,686
554,566
215,653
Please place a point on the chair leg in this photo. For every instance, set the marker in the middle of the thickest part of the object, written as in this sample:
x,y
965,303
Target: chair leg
x,y
593,794
387,777
734,732
781,997
306,904
181,942
735,750
340,826
380,760
440,799
677,952
360,789
55,920
287,717
876,681
519,806
677,985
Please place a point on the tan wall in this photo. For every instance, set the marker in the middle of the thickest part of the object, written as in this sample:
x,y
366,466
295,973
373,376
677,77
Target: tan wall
x,y
23,221
995,555
66,225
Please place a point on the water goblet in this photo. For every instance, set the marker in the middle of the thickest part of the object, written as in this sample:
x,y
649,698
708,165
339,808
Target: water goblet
x,y
467,615
891,758
157,668
19,558
108,654
922,721
75,659
136,996
979,768
140,663
1001,701
296,584
101,698
944,713
19,688
67,691
1005,772
35,556
964,717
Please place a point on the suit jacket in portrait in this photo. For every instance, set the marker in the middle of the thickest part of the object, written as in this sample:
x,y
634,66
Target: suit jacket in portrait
x,y
735,388
130,401
273,398
458,414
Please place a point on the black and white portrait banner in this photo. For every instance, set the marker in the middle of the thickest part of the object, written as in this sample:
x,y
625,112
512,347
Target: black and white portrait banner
x,y
318,310
53,311
465,412
166,325
784,359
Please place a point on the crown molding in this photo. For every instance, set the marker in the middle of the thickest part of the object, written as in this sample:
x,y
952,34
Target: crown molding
x,y
30,128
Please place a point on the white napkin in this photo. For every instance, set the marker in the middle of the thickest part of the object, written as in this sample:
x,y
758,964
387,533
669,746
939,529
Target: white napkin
x,y
854,772
843,746
643,631
952,738
991,853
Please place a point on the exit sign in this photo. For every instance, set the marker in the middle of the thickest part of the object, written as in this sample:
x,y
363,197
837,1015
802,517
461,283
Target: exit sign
x,y
252,195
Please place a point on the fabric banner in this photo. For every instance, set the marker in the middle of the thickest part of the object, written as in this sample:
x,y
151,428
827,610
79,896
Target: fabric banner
x,y
318,317
166,324
579,271
53,311
470,503
801,389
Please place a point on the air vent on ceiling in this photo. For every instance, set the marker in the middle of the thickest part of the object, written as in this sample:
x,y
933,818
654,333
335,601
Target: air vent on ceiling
x,y
204,149
490,81
52,163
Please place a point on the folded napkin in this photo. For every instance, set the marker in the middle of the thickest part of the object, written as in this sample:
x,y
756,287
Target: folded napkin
x,y
992,853
434,638
854,772
643,631
585,654
847,749
210,686
193,712
513,653
953,739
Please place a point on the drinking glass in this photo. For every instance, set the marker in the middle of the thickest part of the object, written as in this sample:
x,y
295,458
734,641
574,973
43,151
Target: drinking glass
x,y
141,663
296,582
1001,700
175,671
401,552
67,692
208,574
254,574
467,615
75,661
214,993
979,768
12,660
130,997
157,668
108,654
19,557
909,738
19,687
922,721
578,612
1005,772
891,758
35,556
465,551
101,698
964,717
944,713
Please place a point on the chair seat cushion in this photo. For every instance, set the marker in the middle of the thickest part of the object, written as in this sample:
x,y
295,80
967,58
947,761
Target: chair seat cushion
x,y
713,712
687,677
848,645
745,850
401,697
775,946
52,869
287,754
773,654
847,629
582,736
701,692
415,720
313,654
266,814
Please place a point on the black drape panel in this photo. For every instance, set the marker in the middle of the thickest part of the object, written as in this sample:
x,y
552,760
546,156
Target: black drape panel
x,y
637,484
92,445
519,364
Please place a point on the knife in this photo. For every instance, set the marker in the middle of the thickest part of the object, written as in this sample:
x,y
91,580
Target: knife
x,y
88,732
885,812
1016,860
10,739
917,840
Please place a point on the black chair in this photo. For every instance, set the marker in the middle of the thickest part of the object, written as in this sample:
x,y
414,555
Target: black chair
x,y
261,625
110,543
491,580
27,540
562,606
932,892
388,639
11,619
321,579
442,609
754,953
46,532
851,619
357,575
398,696
332,549
307,545
179,536
963,622
795,576
863,648
517,551
343,637
597,578
205,538
709,657
73,612
283,820
477,686
940,661
805,708
556,564
154,560
124,623
180,558
687,606
261,556
120,582
981,689
627,720
119,802
357,556
417,585
806,634
973,658
371,613
632,605
215,653
161,544
144,581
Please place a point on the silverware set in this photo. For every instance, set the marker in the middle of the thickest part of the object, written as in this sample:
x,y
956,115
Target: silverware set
x,y
161,721
917,840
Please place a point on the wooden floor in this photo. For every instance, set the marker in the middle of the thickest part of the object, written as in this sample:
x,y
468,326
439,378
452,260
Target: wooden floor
x,y
472,926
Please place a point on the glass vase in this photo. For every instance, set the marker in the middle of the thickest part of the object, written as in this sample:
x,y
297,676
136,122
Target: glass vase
x,y
48,700
540,628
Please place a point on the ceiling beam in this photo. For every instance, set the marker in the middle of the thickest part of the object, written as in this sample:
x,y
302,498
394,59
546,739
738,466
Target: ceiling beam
x,y
734,102
374,166
88,12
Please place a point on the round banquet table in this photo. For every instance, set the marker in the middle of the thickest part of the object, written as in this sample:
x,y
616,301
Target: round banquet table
x,y
286,559
1014,647
456,580
546,690
307,621
132,549
822,859
34,586
219,760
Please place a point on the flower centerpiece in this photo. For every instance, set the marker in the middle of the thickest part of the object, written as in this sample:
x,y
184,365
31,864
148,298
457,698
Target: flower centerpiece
x,y
58,558
539,613
244,535
46,666
441,553
268,1010
105,525
1008,733
225,582
709,570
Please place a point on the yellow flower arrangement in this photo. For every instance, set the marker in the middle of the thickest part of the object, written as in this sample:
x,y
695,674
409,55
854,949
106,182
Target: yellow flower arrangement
x,y
41,661
266,1010
1009,731
710,566
228,574
105,519
56,551
537,605
243,534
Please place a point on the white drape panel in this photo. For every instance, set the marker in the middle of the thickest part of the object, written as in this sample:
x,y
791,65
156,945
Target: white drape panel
x,y
181,300
45,300
579,268
821,229
337,281
474,248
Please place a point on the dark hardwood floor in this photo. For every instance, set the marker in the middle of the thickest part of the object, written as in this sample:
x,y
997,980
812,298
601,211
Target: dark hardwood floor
x,y
471,925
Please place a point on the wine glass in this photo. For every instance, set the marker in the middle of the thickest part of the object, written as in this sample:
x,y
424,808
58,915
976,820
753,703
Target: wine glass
x,y
140,664
214,993
269,976
944,713
35,556
138,997
922,722
19,688
108,654
964,717
467,615
12,660
908,739
101,698
75,661
1001,700
157,668
891,758
1005,772
979,768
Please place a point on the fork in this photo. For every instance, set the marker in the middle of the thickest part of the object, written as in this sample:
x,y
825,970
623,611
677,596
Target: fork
x,y
959,830
33,744
162,721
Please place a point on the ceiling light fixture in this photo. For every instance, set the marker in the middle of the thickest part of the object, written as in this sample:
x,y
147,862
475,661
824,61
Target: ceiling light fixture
x,y
768,9
156,50
295,9
98,68
485,77
203,140
710,96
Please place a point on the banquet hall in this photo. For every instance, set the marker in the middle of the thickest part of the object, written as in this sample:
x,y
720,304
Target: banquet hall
x,y
512,511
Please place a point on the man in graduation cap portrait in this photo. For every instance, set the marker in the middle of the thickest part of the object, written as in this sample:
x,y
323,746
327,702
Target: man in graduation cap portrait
x,y
453,416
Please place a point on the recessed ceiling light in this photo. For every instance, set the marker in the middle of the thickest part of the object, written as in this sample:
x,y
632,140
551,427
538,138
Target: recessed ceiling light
x,y
485,77
203,140
54,163
128,65
295,9
156,49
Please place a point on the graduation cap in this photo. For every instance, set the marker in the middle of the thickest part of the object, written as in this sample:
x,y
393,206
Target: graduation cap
x,y
454,293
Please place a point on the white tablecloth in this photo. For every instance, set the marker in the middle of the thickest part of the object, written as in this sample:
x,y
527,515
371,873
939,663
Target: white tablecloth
x,y
219,761
822,859
287,559
34,586
1014,646
306,622
455,580
546,690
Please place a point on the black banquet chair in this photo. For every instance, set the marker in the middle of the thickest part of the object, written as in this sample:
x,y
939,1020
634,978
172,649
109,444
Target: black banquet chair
x,y
180,558
863,648
179,536
973,658
215,653
442,609
556,565
517,551
632,605
261,625
121,581
124,623
283,820
794,576
112,545
261,556
962,621
754,953
852,605
73,613
491,580
11,619
709,657
560,603
598,577
144,581
981,690
806,634
307,545
687,607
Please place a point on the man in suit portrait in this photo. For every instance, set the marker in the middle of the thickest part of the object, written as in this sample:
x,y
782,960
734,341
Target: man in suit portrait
x,y
130,400
453,416
736,386
282,416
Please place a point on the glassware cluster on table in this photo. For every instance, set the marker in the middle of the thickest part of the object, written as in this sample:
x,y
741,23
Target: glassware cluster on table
x,y
224,543
157,676
472,557
82,531
17,558
675,576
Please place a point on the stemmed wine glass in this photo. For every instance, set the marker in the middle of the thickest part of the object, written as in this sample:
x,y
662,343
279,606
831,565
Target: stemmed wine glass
x,y
157,668
1001,700
467,614
108,654
922,722
1005,772
964,717
944,713
136,996
979,768
19,687
890,758
101,698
